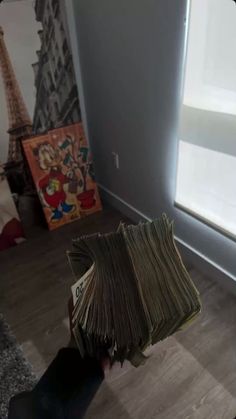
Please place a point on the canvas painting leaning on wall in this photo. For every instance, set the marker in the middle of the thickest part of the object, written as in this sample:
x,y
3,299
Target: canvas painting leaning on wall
x,y
62,170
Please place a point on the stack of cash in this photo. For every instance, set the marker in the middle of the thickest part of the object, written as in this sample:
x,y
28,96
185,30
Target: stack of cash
x,y
131,291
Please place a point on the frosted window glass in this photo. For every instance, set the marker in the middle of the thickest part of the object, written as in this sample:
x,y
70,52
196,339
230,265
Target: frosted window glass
x,y
206,178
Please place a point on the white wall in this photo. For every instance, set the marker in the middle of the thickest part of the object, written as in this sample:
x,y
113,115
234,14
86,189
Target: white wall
x,y
131,55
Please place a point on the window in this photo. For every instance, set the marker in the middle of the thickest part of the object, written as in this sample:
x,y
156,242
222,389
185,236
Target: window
x,y
206,179
59,64
56,106
55,7
50,82
61,28
65,47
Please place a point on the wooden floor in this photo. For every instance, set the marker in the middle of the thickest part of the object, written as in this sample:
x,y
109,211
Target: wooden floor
x,y
189,376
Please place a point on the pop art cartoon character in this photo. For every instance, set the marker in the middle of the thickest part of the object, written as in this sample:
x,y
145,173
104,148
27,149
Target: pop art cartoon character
x,y
75,158
52,184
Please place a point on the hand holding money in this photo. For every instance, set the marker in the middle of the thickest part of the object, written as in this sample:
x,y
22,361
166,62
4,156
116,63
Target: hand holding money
x,y
131,291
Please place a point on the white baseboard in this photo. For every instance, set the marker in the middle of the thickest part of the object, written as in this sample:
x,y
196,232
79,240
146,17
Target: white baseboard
x,y
189,254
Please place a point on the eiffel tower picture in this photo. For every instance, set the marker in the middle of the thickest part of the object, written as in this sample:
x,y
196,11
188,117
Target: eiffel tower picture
x,y
19,122
20,125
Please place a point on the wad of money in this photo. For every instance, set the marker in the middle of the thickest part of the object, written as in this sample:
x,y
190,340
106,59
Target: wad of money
x,y
131,290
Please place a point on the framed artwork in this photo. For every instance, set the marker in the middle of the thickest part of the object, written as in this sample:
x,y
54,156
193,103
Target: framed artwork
x,y
11,230
38,90
62,169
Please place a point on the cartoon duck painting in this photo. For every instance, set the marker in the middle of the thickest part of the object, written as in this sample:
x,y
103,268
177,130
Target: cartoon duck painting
x,y
51,186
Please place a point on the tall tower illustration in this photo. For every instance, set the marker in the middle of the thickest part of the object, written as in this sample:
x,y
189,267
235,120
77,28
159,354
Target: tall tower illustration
x,y
20,125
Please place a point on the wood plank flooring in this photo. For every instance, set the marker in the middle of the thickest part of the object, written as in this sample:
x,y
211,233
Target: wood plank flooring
x,y
191,375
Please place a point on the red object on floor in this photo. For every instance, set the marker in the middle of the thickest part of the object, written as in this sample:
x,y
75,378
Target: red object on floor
x,y
87,199
11,231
